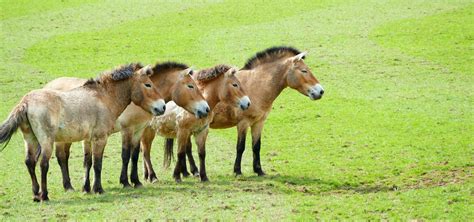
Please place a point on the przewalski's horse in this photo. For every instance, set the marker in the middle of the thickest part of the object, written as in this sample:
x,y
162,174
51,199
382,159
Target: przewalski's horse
x,y
264,76
219,86
85,113
174,82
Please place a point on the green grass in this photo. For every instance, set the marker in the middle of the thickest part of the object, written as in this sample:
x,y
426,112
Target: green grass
x,y
391,139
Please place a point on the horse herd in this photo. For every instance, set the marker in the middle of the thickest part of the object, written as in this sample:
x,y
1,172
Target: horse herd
x,y
168,99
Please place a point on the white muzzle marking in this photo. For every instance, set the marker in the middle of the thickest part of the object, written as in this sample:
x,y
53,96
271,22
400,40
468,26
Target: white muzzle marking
x,y
316,92
244,102
158,107
201,109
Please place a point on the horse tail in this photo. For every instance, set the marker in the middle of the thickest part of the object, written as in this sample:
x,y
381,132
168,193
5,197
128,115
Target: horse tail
x,y
168,152
17,116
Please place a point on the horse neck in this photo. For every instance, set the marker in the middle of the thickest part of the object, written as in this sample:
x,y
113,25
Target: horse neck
x,y
265,82
117,96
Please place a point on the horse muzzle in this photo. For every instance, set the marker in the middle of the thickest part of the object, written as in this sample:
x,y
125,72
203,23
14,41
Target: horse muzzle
x,y
158,108
201,109
316,92
244,103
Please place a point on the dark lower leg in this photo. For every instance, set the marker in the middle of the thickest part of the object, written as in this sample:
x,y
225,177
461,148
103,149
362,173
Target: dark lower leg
x,y
257,168
202,161
63,159
179,166
87,166
125,159
97,187
44,176
31,164
192,164
134,174
240,152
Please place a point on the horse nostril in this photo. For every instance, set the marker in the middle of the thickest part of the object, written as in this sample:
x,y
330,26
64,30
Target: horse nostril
x,y
207,110
163,108
248,104
156,110
322,92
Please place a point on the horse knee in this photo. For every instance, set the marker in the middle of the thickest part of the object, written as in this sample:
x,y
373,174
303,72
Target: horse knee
x,y
30,162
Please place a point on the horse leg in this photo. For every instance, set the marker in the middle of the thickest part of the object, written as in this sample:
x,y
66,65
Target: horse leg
x,y
46,152
126,153
192,164
135,155
62,153
256,142
183,138
242,133
98,152
32,151
184,169
147,139
86,145
201,143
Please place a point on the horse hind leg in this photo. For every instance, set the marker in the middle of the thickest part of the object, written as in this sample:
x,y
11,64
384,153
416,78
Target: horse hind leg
x,y
62,154
201,143
242,133
33,150
46,152
146,141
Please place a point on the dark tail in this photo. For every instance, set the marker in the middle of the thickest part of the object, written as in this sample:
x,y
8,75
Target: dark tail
x,y
168,152
9,127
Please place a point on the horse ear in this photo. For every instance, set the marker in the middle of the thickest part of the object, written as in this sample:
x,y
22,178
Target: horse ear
x,y
298,57
186,72
147,70
231,72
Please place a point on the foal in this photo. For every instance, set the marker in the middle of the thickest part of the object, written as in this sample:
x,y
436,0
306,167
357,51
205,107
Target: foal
x,y
219,86
174,82
264,76
85,113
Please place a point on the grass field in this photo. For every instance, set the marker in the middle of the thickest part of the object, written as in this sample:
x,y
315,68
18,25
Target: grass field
x,y
391,139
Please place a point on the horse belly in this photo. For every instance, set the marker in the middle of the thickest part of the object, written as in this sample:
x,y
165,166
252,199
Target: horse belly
x,y
71,133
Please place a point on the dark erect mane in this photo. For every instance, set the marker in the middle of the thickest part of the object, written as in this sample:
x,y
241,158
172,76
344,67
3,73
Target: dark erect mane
x,y
270,54
120,73
212,73
166,66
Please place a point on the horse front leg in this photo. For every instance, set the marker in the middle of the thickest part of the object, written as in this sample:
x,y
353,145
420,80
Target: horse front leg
x,y
241,135
183,138
62,153
86,146
184,169
98,146
126,153
135,155
146,141
201,143
256,143
192,164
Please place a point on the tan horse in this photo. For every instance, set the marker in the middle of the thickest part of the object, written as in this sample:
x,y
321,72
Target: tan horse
x,y
219,86
174,82
264,76
85,113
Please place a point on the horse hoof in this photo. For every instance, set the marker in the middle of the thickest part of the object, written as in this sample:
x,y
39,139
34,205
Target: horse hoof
x,y
138,185
70,189
44,197
196,174
178,180
36,198
204,180
260,173
126,185
98,190
186,174
86,189
155,180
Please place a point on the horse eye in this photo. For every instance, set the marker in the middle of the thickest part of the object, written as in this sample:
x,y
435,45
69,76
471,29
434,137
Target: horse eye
x,y
304,71
235,85
147,85
191,86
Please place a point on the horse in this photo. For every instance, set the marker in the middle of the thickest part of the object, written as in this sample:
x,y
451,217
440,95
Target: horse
x,y
219,86
264,76
85,113
174,82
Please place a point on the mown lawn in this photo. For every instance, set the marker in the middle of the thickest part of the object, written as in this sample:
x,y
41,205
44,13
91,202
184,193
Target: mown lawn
x,y
391,139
